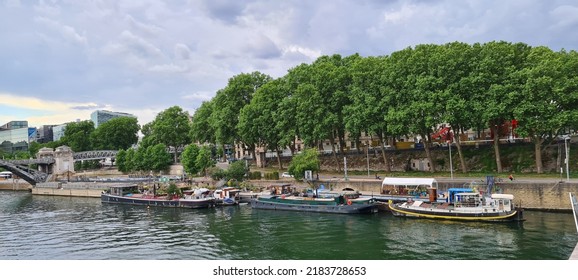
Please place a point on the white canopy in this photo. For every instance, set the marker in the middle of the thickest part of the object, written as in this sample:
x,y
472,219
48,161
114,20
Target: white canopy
x,y
200,191
390,181
502,196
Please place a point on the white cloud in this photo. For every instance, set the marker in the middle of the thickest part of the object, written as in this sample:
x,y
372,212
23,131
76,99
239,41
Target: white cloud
x,y
182,51
67,32
168,68
565,16
199,96
141,56
149,29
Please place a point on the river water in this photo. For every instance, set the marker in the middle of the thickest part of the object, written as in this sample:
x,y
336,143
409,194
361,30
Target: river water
x,y
71,228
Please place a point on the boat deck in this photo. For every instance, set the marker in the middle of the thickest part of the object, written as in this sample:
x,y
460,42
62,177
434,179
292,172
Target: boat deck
x,y
574,255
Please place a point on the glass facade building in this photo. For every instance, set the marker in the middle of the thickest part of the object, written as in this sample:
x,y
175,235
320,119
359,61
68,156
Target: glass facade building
x,y
101,116
14,140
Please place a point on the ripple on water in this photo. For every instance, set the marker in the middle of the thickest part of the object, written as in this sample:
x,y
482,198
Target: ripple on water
x,y
68,228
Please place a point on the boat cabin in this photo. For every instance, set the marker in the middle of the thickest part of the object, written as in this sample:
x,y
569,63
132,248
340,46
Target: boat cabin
x,y
502,202
228,192
124,190
408,186
280,189
452,192
467,199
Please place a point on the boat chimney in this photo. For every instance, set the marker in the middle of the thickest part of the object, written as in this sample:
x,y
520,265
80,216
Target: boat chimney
x,y
433,194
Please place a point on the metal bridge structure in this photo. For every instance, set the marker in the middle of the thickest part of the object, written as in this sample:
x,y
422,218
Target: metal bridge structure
x,y
22,169
92,155
29,175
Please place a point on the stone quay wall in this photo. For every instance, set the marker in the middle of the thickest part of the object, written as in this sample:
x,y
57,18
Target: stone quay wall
x,y
545,195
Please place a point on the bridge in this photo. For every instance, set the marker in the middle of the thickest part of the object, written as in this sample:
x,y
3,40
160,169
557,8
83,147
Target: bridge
x,y
59,161
92,155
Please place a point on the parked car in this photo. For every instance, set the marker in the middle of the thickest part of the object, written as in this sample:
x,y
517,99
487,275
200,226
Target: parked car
x,y
286,175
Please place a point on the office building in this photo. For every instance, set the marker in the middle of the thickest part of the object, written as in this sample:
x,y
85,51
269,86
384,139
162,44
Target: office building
x,y
101,116
15,136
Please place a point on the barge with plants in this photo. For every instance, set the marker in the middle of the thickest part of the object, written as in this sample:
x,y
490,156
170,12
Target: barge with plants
x,y
345,203
132,195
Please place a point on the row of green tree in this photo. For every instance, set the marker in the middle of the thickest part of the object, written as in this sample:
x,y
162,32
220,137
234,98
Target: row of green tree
x,y
408,93
115,134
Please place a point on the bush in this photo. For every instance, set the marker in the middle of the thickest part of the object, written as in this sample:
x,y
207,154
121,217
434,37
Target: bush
x,y
256,175
272,176
216,173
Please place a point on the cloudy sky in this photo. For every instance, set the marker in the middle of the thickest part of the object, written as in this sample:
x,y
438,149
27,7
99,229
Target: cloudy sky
x,y
62,59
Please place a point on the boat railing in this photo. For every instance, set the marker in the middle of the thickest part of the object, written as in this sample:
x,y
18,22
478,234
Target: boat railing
x,y
574,203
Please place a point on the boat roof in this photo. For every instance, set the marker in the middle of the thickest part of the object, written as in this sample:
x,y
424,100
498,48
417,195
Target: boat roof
x,y
123,186
409,181
502,196
468,194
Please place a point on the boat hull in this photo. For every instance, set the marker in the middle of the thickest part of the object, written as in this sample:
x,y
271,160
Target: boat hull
x,y
175,203
431,213
320,208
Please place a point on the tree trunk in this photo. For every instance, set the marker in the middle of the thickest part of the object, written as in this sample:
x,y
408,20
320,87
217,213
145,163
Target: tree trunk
x,y
176,158
224,154
426,145
279,160
461,155
494,128
538,154
385,159
337,163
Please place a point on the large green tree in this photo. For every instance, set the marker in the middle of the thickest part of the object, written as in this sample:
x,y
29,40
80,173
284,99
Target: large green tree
x,y
369,103
204,160
496,81
456,71
116,134
158,157
541,109
258,120
419,101
121,160
170,127
322,90
308,159
189,159
77,136
202,130
228,103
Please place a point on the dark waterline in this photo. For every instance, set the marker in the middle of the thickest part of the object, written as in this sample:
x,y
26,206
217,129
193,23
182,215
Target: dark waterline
x,y
68,228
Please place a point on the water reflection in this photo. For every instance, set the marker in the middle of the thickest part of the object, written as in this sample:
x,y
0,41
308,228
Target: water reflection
x,y
43,227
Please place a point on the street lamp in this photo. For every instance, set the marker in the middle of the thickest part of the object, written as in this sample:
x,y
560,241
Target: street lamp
x,y
451,161
566,139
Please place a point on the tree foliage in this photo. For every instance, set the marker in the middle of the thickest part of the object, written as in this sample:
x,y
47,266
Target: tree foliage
x,y
308,159
409,93
189,159
144,159
116,134
204,160
236,171
230,100
77,136
170,127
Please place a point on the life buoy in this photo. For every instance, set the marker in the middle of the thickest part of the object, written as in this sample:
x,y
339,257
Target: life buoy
x,y
349,202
